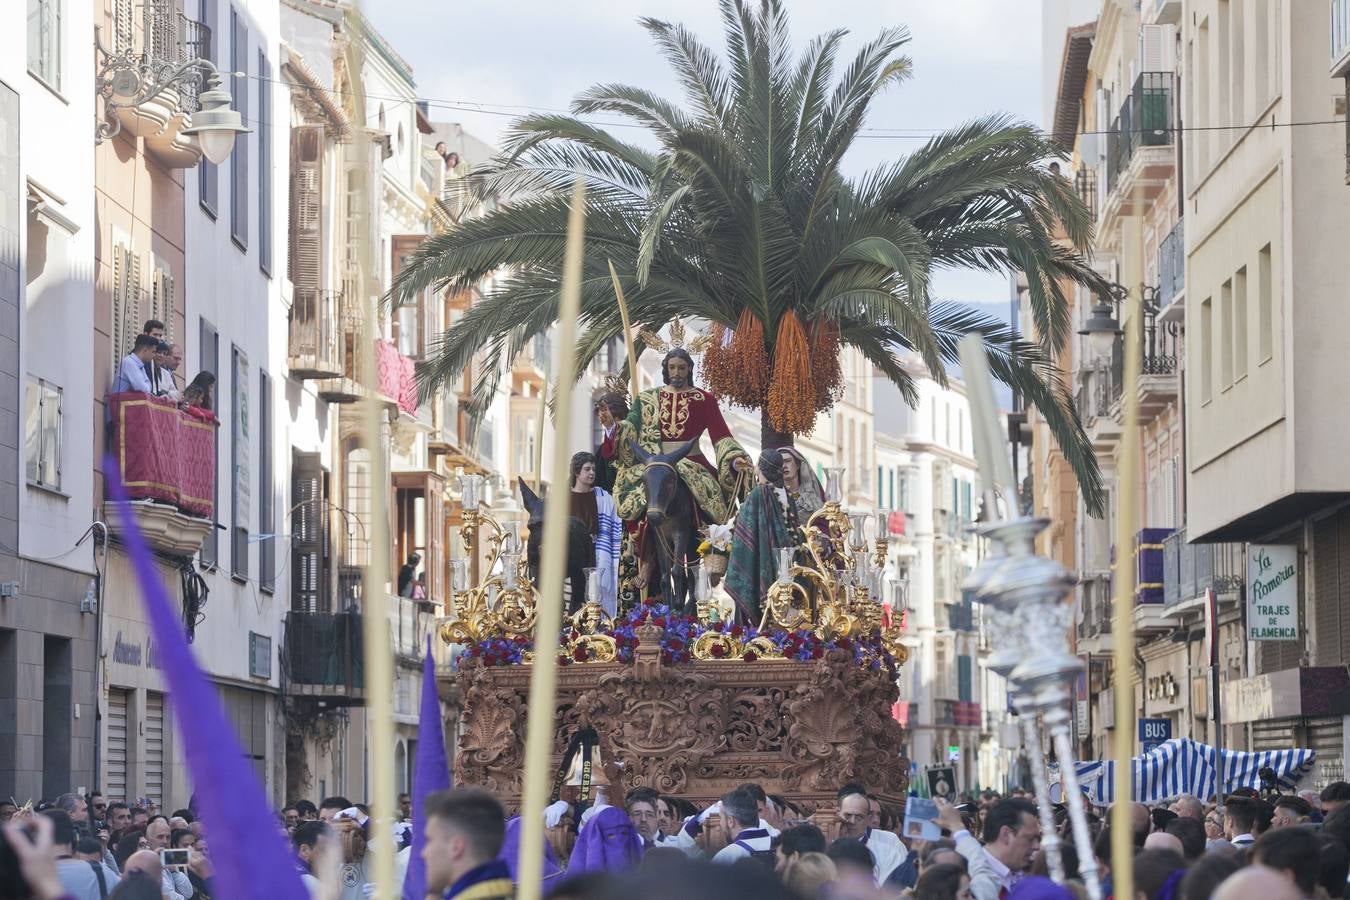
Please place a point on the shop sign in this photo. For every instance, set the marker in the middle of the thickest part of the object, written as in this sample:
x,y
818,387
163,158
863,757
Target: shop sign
x,y
129,654
1272,592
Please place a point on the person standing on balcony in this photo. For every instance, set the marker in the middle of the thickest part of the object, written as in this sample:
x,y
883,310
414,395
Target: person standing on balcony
x,y
594,506
168,357
408,574
132,374
154,328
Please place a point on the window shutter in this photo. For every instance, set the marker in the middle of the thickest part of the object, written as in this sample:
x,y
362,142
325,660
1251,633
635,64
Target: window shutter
x,y
963,674
133,306
1157,48
306,208
119,301
308,526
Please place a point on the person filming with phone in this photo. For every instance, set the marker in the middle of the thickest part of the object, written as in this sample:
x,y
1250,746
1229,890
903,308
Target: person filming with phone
x,y
174,879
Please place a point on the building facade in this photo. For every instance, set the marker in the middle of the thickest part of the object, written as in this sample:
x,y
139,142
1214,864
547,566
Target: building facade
x,y
1224,229
50,558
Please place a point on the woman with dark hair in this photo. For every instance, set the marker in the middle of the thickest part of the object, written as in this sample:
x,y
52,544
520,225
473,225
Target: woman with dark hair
x,y
767,521
946,881
131,840
198,391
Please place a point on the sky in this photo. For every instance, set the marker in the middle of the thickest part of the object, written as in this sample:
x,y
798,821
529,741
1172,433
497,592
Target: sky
x,y
971,58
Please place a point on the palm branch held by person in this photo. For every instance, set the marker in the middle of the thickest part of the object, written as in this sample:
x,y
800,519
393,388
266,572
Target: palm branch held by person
x,y
742,215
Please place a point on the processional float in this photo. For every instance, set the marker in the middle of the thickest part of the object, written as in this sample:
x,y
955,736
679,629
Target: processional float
x,y
800,702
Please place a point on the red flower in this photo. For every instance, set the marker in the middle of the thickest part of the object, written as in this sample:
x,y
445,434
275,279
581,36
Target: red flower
x,y
675,644
737,630
579,654
659,621
718,651
845,644
685,657
750,656
649,601
817,652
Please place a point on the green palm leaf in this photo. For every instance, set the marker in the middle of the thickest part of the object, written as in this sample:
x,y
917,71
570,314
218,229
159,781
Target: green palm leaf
x,y
743,205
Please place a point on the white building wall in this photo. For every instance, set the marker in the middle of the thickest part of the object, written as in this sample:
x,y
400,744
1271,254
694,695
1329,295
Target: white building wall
x,y
229,284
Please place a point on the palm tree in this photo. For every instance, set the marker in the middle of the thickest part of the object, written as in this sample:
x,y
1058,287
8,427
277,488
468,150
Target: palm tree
x,y
741,216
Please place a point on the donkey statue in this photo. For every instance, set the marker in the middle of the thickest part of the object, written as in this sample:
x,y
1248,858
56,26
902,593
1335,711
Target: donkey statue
x,y
671,523
580,548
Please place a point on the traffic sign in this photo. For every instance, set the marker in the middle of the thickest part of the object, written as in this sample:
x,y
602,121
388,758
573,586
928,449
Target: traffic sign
x,y
1153,732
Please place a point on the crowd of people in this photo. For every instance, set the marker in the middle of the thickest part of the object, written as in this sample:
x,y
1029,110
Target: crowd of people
x,y
747,844
151,368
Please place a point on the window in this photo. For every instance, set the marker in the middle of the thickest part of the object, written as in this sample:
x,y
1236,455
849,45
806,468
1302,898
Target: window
x,y
239,467
264,164
1240,324
44,41
268,533
1239,85
208,351
1206,350
1265,326
309,534
126,301
409,318
1222,82
208,173
1226,335
881,488
239,158
42,433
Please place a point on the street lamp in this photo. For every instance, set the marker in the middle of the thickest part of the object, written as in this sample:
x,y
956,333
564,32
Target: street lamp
x,y
215,125
1101,329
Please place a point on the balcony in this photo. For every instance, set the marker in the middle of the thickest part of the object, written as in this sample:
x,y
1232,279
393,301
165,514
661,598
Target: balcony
x,y
312,351
1158,370
1094,615
1140,152
166,90
1160,12
1085,186
346,386
1189,570
1149,615
1340,38
1172,274
323,658
1098,391
167,459
531,365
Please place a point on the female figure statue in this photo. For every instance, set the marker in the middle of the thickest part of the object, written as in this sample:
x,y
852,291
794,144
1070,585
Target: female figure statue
x,y
768,519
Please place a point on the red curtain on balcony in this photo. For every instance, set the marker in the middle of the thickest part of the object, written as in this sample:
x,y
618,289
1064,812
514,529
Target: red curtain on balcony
x,y
165,454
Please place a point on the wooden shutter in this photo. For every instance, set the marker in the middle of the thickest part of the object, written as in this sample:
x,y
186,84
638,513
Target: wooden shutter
x,y
307,526
115,778
306,208
119,302
154,747
132,308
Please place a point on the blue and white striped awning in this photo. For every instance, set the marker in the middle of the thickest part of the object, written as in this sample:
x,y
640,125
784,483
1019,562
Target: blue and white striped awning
x,y
1183,766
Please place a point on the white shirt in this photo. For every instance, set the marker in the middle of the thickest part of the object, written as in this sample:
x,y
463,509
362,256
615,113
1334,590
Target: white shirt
x,y
166,385
888,852
987,873
746,842
1243,840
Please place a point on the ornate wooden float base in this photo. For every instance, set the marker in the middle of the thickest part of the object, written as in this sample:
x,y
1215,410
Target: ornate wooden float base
x,y
697,730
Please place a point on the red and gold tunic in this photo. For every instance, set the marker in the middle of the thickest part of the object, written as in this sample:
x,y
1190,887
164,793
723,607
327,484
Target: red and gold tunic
x,y
662,420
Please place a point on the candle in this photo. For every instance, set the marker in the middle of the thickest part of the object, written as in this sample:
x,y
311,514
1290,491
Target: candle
x,y
883,524
834,477
785,555
592,584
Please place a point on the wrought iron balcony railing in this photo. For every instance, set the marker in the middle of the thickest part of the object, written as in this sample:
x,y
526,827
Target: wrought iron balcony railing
x,y
1191,569
1147,119
313,348
323,655
1172,264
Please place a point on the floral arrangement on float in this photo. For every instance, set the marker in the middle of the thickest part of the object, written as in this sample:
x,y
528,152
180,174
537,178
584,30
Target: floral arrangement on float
x,y
683,640
715,550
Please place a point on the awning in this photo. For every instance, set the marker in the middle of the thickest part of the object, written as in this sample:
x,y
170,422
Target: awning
x,y
1184,766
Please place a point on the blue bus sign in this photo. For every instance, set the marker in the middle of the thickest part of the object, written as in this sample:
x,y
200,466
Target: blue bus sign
x,y
1153,732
